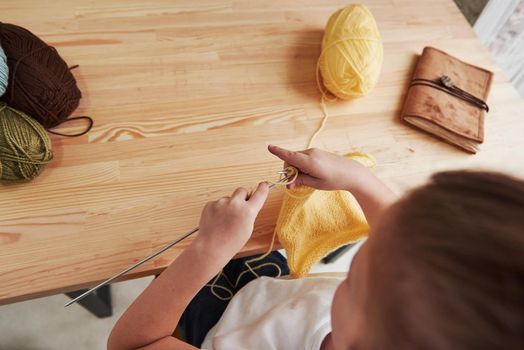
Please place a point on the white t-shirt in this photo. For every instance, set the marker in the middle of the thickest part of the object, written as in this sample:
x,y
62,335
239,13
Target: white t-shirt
x,y
270,313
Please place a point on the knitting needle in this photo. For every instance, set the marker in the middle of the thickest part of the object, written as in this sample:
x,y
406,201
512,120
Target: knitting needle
x,y
134,266
160,251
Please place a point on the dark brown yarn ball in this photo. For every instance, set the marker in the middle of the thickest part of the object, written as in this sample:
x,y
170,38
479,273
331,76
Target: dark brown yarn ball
x,y
40,82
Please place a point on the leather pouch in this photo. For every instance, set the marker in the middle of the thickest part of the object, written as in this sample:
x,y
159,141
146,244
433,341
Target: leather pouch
x,y
446,98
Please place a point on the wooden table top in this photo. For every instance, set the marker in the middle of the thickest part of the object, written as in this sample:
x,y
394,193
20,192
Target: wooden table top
x,y
186,96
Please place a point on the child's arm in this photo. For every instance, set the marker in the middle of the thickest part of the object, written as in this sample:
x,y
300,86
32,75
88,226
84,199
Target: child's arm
x,y
328,171
225,226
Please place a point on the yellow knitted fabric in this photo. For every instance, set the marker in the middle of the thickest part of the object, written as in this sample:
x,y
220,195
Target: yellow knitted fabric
x,y
312,222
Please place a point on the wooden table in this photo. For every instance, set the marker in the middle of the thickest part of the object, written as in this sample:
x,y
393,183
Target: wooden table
x,y
186,96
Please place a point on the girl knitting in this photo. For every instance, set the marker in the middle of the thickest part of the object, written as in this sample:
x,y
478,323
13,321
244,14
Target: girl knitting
x,y
443,268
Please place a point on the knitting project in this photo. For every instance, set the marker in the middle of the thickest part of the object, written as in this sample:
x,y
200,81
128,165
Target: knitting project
x,y
312,222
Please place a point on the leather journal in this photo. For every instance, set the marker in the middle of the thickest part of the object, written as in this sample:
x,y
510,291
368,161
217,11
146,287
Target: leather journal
x,y
446,98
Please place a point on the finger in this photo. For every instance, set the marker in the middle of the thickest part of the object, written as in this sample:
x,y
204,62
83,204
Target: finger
x,y
258,198
305,180
240,193
297,159
221,201
208,206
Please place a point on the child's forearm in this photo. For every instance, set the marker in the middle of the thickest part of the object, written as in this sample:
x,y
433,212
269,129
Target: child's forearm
x,y
225,226
154,315
371,193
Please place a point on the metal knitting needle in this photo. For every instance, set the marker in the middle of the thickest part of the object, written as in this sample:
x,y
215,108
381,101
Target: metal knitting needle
x,y
160,251
134,266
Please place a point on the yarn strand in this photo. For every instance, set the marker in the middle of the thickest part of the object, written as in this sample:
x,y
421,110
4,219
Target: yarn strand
x,y
322,123
86,130
250,269
292,172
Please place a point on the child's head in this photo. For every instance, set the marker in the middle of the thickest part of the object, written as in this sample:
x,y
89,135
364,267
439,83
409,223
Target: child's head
x,y
442,269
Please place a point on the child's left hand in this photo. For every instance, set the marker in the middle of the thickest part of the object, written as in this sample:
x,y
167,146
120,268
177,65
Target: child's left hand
x,y
227,224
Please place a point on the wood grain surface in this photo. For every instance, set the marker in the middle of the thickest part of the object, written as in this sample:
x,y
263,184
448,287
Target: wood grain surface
x,y
186,95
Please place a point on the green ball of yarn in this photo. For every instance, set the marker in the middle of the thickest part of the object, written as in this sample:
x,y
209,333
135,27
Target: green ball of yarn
x,y
4,72
25,147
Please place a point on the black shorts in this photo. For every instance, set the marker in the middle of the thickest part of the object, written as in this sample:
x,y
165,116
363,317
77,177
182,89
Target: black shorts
x,y
204,311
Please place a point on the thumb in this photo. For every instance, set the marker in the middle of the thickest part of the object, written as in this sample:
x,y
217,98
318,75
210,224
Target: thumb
x,y
258,198
305,180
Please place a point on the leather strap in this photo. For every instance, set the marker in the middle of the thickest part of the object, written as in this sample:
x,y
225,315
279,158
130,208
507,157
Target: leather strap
x,y
446,85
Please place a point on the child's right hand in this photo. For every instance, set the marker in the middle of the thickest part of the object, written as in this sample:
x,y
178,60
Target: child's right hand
x,y
226,224
322,170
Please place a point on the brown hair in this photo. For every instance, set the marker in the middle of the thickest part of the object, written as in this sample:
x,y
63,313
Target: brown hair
x,y
448,272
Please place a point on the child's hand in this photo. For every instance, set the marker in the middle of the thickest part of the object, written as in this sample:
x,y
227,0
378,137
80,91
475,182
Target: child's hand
x,y
227,224
322,170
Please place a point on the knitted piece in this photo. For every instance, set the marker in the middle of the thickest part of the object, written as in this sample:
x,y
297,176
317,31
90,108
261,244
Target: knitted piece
x,y
312,223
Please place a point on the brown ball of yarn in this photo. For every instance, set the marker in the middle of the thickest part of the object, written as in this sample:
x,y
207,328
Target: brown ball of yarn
x,y
40,82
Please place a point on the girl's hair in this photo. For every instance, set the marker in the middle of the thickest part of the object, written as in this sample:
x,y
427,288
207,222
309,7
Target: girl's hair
x,y
449,271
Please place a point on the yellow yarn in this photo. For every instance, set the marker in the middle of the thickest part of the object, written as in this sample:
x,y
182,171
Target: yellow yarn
x,y
312,222
352,52
351,58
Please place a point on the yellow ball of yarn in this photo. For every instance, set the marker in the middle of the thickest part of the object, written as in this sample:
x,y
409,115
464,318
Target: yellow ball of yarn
x,y
352,52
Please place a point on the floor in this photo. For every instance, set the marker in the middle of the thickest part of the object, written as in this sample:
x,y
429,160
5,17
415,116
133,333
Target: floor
x,y
471,8
44,324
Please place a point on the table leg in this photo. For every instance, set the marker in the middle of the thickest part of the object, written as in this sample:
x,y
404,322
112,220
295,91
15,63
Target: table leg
x,y
98,302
